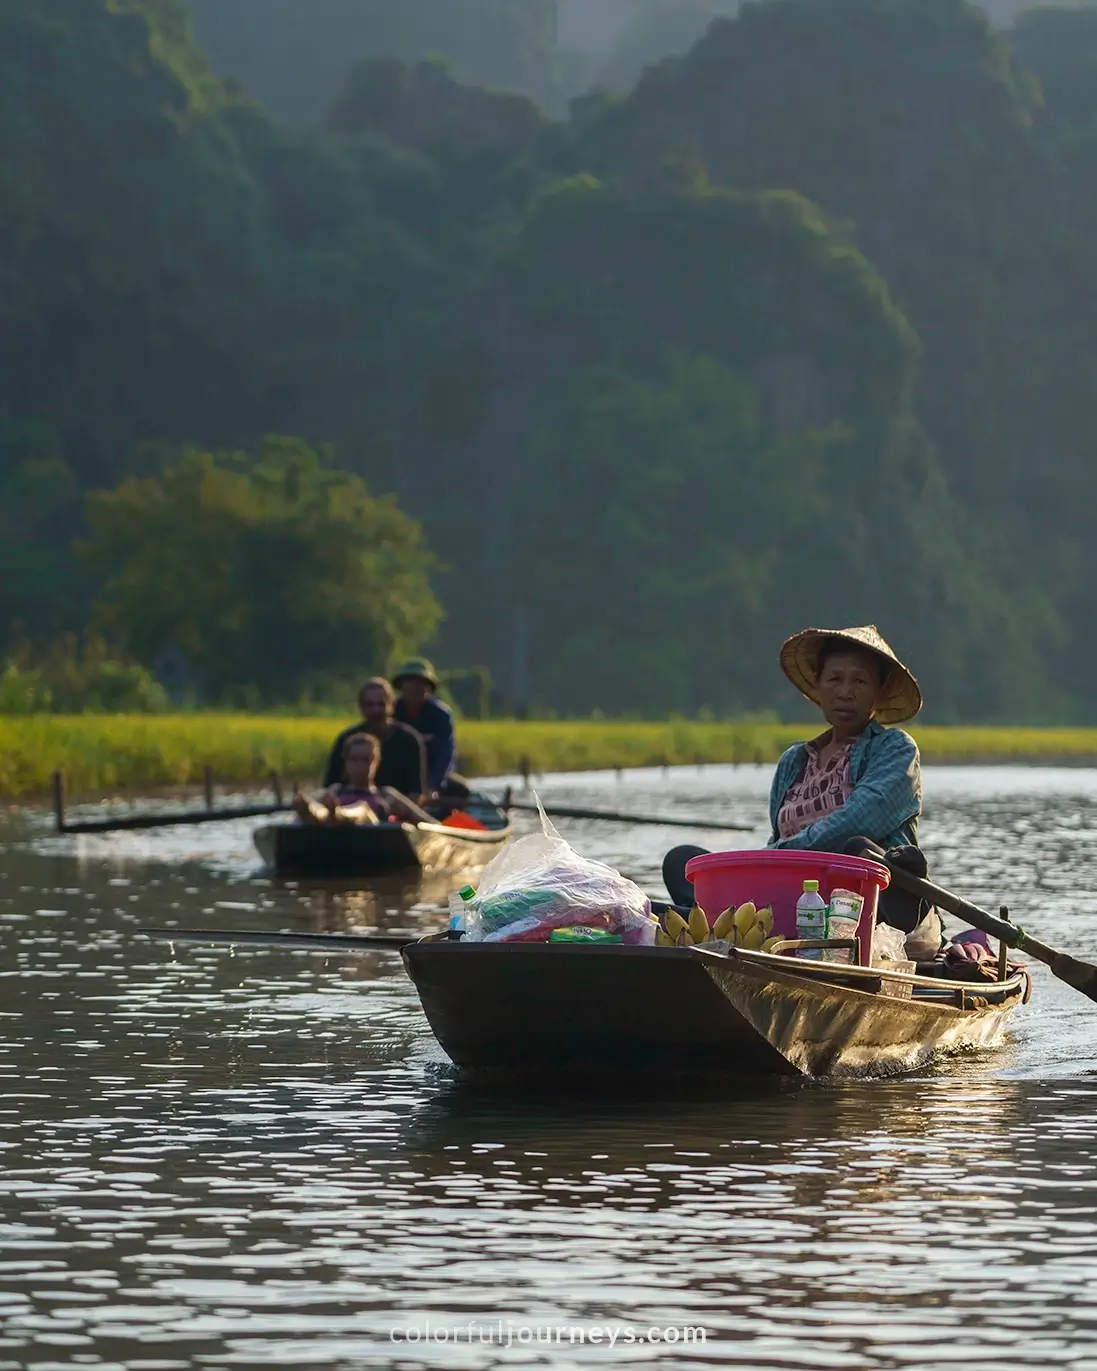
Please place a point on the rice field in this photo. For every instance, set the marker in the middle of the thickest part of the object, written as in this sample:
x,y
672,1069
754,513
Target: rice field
x,y
139,753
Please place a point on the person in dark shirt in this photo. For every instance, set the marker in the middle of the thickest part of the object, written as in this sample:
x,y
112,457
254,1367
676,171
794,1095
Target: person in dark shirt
x,y
403,764
418,706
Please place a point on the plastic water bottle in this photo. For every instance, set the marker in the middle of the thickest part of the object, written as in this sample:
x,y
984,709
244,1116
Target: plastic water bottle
x,y
811,918
457,901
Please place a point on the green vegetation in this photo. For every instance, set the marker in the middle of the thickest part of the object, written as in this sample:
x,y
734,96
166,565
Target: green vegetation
x,y
256,570
70,677
138,753
764,340
935,173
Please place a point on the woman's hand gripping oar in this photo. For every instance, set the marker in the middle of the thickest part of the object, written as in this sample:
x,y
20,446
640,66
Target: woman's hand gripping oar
x,y
1078,975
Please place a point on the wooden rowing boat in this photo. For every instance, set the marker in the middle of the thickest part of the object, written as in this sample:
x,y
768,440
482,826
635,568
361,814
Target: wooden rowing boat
x,y
544,1010
321,850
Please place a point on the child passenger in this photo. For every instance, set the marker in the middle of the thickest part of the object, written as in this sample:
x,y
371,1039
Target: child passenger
x,y
358,800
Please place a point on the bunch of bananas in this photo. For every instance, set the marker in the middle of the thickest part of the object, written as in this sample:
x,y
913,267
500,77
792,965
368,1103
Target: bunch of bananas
x,y
679,932
743,927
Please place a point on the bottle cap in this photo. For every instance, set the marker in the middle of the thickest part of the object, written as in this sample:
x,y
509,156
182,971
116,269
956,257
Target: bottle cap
x,y
810,886
468,892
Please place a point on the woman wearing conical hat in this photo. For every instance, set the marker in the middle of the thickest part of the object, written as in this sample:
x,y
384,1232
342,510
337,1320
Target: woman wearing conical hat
x,y
861,777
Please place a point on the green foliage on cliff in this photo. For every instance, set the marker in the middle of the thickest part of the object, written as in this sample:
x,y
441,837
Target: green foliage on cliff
x,y
796,330
981,228
716,395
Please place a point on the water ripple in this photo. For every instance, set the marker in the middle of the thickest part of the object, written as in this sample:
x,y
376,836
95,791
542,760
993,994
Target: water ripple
x,y
257,1159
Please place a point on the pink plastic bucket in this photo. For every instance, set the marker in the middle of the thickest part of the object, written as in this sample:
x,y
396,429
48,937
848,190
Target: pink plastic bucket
x,y
775,877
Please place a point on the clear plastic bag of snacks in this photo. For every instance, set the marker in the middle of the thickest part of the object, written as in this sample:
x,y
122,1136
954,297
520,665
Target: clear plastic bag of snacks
x,y
540,883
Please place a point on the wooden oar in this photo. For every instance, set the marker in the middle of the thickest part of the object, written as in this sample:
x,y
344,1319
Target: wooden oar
x,y
132,822
320,942
570,812
308,942
1078,975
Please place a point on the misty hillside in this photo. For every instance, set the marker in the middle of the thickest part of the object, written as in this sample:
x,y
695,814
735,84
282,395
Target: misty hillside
x,y
294,55
763,341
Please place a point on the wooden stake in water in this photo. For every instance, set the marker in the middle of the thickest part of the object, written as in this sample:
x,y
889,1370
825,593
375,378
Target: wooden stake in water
x,y
59,800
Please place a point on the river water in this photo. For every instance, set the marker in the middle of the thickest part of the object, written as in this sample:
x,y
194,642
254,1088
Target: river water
x,y
258,1158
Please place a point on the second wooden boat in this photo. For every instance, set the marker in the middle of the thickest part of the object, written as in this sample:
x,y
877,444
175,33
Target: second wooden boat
x,y
340,850
527,1011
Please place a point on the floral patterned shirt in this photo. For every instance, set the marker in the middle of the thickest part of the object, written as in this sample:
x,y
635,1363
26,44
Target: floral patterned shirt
x,y
820,790
884,804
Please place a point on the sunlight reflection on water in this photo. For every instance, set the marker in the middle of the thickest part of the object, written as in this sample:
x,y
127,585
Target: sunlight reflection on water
x,y
262,1158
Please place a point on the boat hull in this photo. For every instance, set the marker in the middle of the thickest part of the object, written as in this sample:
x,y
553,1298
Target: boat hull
x,y
524,1011
838,1030
305,850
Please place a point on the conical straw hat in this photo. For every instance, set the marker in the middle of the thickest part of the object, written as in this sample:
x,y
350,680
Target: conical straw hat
x,y
900,699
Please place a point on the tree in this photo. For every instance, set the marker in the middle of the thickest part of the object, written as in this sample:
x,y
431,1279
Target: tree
x,y
69,677
273,574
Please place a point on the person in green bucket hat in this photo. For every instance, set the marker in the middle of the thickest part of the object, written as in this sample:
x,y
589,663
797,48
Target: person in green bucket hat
x,y
418,706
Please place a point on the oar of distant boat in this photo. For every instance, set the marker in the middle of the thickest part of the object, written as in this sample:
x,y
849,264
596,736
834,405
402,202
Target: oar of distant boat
x,y
165,819
210,814
612,816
